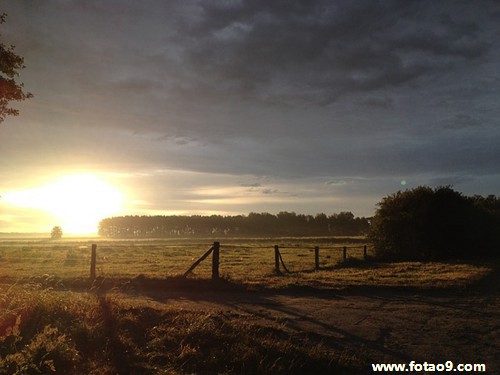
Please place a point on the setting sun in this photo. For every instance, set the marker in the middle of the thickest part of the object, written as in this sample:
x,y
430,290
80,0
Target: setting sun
x,y
76,202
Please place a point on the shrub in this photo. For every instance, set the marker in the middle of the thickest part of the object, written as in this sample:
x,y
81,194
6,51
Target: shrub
x,y
428,224
49,352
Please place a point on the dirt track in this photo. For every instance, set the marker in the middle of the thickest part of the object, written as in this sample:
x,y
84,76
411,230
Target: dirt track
x,y
368,325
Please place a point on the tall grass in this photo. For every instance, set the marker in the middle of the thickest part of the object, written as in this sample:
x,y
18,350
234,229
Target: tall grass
x,y
48,332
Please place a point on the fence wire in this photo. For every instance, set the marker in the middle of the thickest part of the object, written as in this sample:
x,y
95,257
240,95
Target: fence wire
x,y
161,260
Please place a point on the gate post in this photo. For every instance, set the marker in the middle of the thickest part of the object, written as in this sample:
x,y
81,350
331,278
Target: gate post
x,y
276,259
215,261
93,257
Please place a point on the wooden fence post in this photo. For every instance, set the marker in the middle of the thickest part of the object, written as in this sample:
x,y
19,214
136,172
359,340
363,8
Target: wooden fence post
x,y
215,261
93,257
276,259
316,258
344,255
364,252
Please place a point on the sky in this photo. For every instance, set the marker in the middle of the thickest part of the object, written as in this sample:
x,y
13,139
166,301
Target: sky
x,y
230,107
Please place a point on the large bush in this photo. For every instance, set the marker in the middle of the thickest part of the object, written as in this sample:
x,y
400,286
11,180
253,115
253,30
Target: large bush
x,y
426,224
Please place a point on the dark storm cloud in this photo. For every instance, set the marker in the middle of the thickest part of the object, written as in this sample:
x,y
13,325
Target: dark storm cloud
x,y
313,53
451,180
462,120
290,88
377,102
210,54
280,52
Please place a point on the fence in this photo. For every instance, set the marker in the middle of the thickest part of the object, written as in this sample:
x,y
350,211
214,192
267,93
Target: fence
x,y
130,259
215,251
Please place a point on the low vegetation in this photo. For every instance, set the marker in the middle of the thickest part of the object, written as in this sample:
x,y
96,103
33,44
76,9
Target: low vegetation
x,y
248,262
240,259
48,332
435,224
54,320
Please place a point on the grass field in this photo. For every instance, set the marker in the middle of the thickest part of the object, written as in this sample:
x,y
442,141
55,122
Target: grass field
x,y
141,317
243,261
161,258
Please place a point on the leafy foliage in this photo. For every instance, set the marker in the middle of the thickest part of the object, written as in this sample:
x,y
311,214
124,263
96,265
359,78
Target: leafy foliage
x,y
10,90
425,223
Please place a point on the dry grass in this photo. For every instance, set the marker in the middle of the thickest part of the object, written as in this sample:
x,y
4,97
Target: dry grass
x,y
44,331
47,325
249,262
405,274
162,258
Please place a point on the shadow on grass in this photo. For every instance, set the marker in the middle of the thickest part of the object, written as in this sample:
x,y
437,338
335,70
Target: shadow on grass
x,y
266,305
488,284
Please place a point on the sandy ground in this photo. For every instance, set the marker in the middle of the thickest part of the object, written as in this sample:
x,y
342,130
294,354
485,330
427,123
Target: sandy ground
x,y
392,326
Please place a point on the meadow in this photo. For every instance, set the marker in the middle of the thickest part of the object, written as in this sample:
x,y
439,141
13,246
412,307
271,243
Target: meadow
x,y
240,259
248,261
141,316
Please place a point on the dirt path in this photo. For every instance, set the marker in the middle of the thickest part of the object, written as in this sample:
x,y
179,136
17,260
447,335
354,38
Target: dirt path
x,y
372,326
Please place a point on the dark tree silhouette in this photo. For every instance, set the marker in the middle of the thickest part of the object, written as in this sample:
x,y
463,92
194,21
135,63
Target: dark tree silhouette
x,y
10,90
427,224
255,224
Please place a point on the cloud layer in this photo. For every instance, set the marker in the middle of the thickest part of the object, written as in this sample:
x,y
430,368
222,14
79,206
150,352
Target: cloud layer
x,y
327,90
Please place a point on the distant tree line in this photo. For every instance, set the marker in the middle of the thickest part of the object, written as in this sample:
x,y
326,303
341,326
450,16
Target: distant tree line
x,y
253,224
435,224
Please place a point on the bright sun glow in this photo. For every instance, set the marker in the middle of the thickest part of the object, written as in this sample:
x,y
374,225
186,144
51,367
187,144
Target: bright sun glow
x,y
78,202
